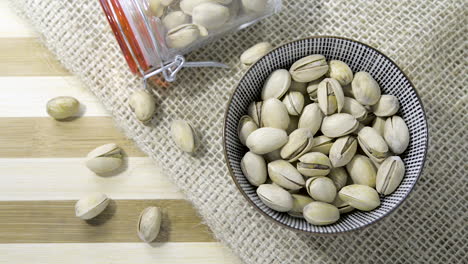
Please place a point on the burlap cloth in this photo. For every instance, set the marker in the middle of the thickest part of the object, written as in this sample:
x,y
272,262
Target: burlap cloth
x,y
427,39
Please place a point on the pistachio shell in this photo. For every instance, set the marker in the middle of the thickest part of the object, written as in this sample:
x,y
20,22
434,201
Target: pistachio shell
x,y
157,9
396,134
365,89
319,213
390,175
379,125
210,15
321,144
266,139
343,150
388,105
285,175
343,207
166,2
255,5
143,104
275,197
105,158
63,107
299,202
274,114
149,224
312,89
354,108
184,136
293,124
276,85
340,71
361,197
254,168
254,53
362,171
330,96
339,176
255,111
175,19
314,164
338,125
309,68
373,144
91,205
299,143
321,189
187,6
311,118
294,102
182,36
246,126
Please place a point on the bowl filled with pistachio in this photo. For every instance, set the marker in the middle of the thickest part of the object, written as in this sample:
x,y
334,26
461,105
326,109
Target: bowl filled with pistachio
x,y
325,135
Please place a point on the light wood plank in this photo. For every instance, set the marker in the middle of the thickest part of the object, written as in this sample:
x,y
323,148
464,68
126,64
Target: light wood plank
x,y
69,179
11,25
28,57
42,137
55,222
28,96
118,253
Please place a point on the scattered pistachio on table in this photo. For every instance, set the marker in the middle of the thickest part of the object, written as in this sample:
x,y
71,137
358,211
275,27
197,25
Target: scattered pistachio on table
x,y
91,205
149,224
63,107
254,53
104,159
143,104
184,136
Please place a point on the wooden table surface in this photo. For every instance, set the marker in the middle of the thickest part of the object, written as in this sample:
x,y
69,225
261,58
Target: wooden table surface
x,y
43,174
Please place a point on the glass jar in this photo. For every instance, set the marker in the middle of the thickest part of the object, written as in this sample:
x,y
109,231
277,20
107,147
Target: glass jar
x,y
155,34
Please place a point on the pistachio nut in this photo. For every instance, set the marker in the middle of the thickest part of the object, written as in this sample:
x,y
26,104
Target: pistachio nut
x,y
276,85
254,168
272,156
149,224
300,141
309,68
362,171
311,118
175,19
347,90
63,107
396,134
330,96
361,197
255,111
293,124
321,189
275,197
343,150
156,7
369,118
338,125
339,176
91,205
299,202
298,87
187,6
210,15
343,207
365,89
294,102
255,5
183,35
274,114
373,144
320,213
354,108
254,53
103,159
143,104
314,164
340,71
321,144
379,125
312,88
166,2
285,175
390,175
266,139
388,105
246,126
184,136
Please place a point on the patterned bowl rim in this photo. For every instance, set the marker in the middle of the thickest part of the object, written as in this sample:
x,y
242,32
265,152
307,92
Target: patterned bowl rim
x,y
350,230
